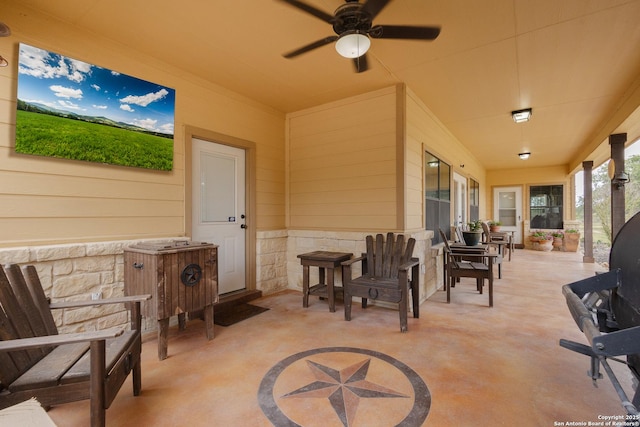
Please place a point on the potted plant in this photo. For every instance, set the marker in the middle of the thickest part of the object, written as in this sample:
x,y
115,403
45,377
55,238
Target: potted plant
x,y
571,240
557,239
545,242
542,241
494,226
536,236
473,235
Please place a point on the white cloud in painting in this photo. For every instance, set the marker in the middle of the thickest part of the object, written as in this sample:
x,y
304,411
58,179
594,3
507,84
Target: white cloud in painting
x,y
41,64
127,107
115,73
78,70
66,92
149,124
166,128
145,100
96,87
100,107
67,105
42,102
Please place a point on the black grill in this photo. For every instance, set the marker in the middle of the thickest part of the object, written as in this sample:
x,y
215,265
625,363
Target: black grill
x,y
606,308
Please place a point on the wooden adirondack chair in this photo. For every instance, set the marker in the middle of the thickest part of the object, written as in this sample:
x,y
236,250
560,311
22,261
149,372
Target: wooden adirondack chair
x,y
385,275
36,361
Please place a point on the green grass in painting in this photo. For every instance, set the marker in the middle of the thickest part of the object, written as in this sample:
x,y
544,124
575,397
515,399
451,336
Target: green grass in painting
x,y
47,135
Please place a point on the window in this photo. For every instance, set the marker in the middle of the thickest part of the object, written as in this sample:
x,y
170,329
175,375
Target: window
x,y
437,196
474,200
545,204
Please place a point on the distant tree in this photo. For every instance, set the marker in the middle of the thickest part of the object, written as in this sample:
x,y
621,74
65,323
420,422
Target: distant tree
x,y
602,199
632,189
602,193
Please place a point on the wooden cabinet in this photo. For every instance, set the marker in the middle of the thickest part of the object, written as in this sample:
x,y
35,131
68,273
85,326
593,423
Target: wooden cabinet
x,y
182,277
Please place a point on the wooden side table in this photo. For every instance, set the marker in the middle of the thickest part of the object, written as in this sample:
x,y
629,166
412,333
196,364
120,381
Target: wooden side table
x,y
324,260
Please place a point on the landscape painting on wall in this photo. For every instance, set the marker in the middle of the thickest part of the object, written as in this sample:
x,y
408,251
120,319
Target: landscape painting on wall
x,y
74,110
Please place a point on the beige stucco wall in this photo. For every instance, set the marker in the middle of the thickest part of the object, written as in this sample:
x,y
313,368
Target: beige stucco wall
x,y
527,177
45,200
424,132
343,164
337,171
356,167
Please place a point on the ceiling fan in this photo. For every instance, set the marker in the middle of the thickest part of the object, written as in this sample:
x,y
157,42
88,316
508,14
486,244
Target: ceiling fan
x,y
353,24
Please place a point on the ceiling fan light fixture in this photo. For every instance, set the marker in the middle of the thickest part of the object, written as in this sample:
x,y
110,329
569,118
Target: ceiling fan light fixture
x,y
524,156
353,45
521,116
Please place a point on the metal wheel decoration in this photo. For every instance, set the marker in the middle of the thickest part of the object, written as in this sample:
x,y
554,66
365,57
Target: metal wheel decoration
x,y
191,275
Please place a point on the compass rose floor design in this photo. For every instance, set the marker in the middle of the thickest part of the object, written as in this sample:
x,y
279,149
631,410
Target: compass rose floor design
x,y
343,386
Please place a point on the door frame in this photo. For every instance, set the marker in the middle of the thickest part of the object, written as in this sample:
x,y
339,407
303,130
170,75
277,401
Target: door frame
x,y
519,229
464,201
250,192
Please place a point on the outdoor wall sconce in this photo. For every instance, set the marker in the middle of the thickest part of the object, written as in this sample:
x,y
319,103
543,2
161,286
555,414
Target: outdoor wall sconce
x,y
524,156
620,179
521,116
4,32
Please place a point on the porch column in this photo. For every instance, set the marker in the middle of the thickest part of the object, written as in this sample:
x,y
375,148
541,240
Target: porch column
x,y
616,142
588,212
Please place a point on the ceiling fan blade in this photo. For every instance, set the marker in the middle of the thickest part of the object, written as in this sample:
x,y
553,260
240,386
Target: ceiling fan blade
x,y
361,63
311,10
404,32
373,7
311,46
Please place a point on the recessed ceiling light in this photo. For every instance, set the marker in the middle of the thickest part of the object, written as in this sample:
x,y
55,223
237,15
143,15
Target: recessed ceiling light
x,y
521,116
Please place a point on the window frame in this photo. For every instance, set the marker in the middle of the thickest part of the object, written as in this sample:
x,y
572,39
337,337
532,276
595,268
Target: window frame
x,y
437,197
540,211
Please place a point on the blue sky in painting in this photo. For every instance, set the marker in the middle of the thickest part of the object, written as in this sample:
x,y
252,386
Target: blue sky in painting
x,y
62,83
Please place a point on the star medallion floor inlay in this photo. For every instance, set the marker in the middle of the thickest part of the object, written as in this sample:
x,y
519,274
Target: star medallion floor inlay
x,y
343,386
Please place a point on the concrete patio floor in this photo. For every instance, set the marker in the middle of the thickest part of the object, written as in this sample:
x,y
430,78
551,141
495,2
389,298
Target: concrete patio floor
x,y
499,366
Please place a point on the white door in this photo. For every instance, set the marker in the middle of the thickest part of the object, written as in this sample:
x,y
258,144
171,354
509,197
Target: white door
x,y
507,208
459,199
218,211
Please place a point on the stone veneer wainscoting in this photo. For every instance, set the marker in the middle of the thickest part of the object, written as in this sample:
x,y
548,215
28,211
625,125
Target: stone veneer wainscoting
x,y
73,272
78,270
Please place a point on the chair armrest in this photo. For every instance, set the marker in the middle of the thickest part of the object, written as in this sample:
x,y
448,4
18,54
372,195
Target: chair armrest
x,y
469,251
54,340
89,303
474,254
411,263
352,260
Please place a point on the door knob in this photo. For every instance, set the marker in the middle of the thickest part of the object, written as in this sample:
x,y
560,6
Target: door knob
x,y
243,226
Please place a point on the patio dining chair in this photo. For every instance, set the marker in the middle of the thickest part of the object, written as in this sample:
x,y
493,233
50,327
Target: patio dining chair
x,y
471,263
503,238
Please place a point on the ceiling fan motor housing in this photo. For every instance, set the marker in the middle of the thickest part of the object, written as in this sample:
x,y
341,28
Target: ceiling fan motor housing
x,y
350,18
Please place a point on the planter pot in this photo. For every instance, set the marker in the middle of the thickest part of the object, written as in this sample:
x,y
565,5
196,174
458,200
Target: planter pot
x,y
571,242
557,243
472,238
494,228
545,245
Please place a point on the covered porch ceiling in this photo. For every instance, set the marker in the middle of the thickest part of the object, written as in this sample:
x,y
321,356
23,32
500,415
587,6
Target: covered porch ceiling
x,y
575,62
